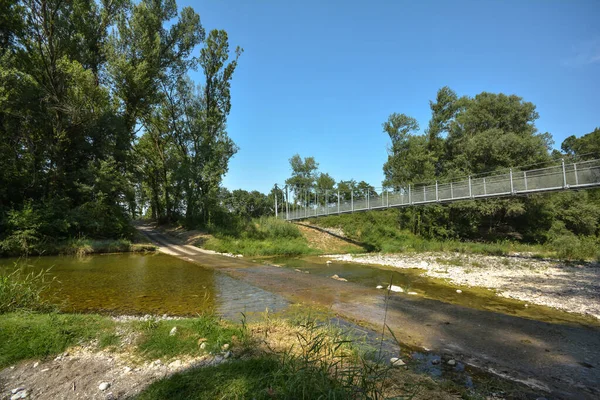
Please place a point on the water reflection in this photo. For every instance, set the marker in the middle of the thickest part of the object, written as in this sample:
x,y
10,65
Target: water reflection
x,y
146,284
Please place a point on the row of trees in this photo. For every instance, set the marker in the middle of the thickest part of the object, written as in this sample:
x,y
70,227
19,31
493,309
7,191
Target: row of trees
x,y
99,121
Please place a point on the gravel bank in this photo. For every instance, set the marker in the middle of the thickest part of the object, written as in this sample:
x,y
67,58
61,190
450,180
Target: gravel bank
x,y
569,287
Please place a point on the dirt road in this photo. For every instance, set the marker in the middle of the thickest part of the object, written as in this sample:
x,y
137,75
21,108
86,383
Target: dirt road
x,y
562,361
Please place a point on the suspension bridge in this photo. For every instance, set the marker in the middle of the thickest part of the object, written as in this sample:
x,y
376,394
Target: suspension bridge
x,y
301,203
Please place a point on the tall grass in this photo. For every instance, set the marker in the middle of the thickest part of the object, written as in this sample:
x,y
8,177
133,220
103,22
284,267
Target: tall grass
x,y
22,290
380,231
265,236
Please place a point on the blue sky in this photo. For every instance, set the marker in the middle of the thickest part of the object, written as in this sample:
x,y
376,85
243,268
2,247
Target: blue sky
x,y
318,78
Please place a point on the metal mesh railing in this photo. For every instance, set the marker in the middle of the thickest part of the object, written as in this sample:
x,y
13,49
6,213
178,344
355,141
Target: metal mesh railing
x,y
300,203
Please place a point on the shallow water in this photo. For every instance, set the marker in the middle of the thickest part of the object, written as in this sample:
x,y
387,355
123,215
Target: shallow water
x,y
412,281
146,284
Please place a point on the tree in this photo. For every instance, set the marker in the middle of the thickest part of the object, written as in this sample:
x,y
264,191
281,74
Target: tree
x,y
303,172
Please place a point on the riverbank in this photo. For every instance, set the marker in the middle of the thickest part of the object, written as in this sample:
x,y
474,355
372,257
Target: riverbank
x,y
572,287
100,357
84,246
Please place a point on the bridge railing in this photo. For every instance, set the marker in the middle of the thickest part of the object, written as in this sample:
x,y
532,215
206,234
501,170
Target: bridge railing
x,y
300,203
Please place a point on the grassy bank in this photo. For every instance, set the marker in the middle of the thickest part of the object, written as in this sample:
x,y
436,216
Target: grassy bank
x,y
260,237
83,246
380,231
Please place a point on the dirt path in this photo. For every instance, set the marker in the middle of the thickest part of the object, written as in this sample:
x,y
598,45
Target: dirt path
x,y
561,360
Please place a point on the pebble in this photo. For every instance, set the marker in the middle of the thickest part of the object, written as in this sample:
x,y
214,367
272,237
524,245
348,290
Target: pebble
x,y
458,291
20,395
103,386
451,362
35,365
435,361
396,362
395,288
173,331
412,293
225,347
379,287
328,262
338,278
203,345
17,390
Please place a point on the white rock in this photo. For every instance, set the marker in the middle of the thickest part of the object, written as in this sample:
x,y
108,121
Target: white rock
x,y
451,362
379,287
458,291
225,347
173,331
23,394
203,346
396,362
17,390
328,262
103,386
338,278
412,293
158,363
395,288
35,365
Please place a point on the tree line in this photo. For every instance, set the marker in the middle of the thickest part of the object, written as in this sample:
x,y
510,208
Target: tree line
x,y
100,122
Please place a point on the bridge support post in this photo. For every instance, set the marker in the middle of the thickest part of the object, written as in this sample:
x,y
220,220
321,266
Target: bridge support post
x,y
565,185
525,179
575,170
316,203
451,191
338,201
437,194
484,187
409,195
287,202
326,203
368,199
275,193
387,195
512,185
352,199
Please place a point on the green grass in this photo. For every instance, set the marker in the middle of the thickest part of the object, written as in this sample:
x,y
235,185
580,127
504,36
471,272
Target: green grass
x,y
92,246
26,335
156,341
380,231
261,237
20,290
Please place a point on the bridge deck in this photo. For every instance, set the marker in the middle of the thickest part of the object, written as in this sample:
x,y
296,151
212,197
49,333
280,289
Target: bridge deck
x,y
563,176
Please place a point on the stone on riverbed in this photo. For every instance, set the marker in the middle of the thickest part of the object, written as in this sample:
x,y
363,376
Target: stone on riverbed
x,y
173,331
103,386
451,362
22,394
395,288
379,287
338,278
396,362
458,291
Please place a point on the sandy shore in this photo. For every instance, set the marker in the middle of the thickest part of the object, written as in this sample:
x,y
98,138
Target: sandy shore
x,y
569,287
